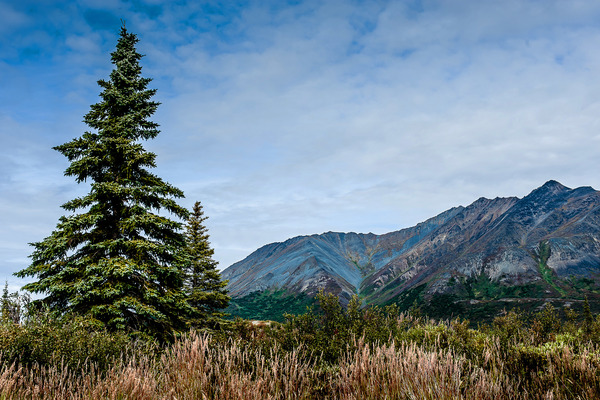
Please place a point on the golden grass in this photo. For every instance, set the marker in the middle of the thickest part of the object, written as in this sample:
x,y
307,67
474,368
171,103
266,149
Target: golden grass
x,y
193,368
198,367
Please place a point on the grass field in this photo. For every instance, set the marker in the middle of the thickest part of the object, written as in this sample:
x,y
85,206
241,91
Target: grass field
x,y
328,353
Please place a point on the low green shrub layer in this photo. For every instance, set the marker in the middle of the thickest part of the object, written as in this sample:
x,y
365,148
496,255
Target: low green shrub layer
x,y
329,352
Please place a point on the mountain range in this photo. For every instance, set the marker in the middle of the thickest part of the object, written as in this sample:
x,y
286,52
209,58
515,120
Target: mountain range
x,y
544,246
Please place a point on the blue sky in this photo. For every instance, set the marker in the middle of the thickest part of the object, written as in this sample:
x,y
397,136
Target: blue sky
x,y
300,117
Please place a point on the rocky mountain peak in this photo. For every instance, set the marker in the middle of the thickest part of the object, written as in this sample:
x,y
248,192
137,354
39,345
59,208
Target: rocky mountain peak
x,y
551,188
496,238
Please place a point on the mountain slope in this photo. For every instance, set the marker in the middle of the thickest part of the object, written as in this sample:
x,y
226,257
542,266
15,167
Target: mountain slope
x,y
546,243
335,262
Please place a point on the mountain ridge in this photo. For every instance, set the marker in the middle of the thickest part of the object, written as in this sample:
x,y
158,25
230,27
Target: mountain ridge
x,y
498,240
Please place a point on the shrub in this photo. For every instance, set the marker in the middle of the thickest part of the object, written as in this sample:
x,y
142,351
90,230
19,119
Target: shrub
x,y
70,340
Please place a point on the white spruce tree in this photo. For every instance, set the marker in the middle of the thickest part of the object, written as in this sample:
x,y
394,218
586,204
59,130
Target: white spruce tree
x,y
117,261
206,291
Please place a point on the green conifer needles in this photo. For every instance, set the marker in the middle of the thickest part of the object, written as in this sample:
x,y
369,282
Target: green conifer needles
x,y
115,259
205,289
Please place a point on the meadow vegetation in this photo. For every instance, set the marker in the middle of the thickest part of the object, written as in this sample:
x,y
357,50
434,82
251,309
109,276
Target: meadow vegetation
x,y
133,305
329,352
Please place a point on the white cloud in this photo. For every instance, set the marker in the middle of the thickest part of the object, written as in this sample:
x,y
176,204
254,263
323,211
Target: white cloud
x,y
287,120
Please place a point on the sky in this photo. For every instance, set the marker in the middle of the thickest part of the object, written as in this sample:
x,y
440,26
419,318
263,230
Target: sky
x,y
302,117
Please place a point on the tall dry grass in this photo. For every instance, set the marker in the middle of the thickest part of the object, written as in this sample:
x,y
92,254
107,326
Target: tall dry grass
x,y
409,372
193,368
198,367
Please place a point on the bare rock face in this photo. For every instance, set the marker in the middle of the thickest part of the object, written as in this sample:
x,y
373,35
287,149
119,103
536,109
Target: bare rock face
x,y
331,261
577,255
552,232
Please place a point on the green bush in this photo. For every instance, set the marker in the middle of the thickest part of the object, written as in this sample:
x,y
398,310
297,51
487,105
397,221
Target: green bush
x,y
330,330
69,340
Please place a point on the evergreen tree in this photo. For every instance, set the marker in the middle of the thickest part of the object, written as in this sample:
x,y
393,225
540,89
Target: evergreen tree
x,y
118,261
206,291
11,306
